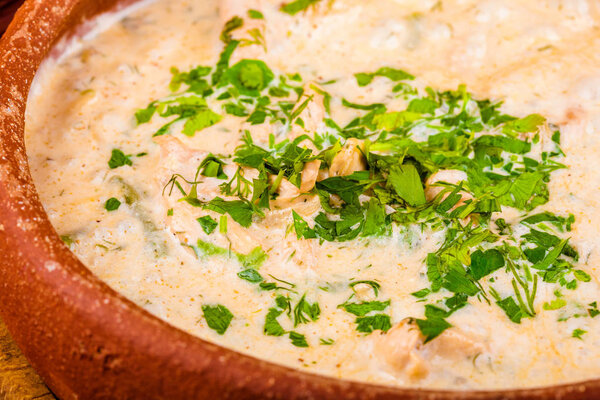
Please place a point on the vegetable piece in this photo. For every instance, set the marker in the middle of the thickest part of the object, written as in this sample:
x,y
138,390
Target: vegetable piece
x,y
251,275
296,6
363,308
217,317
118,159
304,311
272,326
484,263
112,204
406,182
298,339
250,77
208,224
372,323
363,79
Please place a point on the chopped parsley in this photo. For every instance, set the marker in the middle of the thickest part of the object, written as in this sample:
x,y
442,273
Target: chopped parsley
x,y
371,323
208,224
298,339
254,259
296,6
305,311
118,159
363,79
363,308
497,158
593,309
578,333
217,317
112,204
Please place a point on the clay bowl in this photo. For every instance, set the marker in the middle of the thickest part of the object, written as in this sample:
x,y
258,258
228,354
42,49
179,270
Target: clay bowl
x,y
86,340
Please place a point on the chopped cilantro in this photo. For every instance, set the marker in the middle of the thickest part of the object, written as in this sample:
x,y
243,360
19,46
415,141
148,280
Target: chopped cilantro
x,y
230,26
254,259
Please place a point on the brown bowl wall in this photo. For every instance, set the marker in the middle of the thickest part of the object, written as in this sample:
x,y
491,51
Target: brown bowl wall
x,y
86,340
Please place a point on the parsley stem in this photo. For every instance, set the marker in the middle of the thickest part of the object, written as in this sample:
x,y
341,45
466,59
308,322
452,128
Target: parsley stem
x,y
520,298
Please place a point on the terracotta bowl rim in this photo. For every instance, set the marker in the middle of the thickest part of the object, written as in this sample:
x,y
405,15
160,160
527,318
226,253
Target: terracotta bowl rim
x,y
51,264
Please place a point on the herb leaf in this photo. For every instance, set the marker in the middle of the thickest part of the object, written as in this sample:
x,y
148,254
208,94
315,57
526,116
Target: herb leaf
x,y
296,6
406,182
112,204
217,317
298,339
272,326
118,159
208,224
362,309
484,263
371,323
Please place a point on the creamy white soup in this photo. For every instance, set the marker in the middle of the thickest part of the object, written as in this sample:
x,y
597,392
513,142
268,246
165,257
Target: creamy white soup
x,y
390,191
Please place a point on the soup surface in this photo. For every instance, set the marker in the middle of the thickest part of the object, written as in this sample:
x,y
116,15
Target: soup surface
x,y
393,191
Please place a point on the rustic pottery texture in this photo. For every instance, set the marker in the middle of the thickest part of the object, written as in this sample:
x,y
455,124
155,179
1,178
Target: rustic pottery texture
x,y
87,341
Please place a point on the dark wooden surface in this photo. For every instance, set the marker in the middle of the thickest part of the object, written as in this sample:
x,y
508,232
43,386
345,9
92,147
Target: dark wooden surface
x,y
18,381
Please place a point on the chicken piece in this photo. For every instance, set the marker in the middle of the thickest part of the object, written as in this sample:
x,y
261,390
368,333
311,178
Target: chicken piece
x,y
403,348
174,153
303,252
349,160
242,239
453,344
310,173
447,175
400,348
290,196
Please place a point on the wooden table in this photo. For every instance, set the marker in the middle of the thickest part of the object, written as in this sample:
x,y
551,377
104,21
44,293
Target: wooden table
x,y
18,381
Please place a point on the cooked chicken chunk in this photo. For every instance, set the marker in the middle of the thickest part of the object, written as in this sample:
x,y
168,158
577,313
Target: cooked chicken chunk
x,y
349,160
403,348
